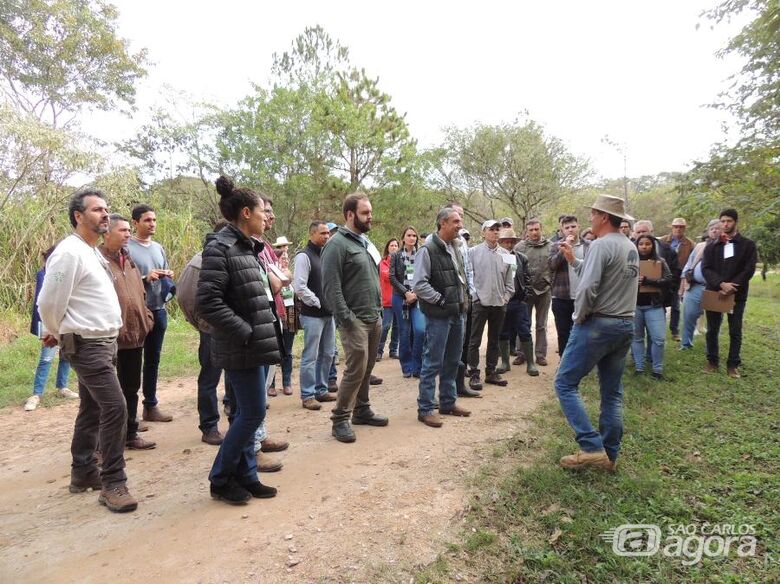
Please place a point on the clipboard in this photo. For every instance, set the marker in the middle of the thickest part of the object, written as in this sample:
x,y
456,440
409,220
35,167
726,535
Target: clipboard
x,y
650,269
714,301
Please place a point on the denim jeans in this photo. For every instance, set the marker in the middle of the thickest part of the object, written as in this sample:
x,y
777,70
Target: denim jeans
x,y
388,320
443,343
598,342
236,457
652,319
691,312
208,379
563,311
517,322
674,318
44,366
288,338
411,335
152,349
319,342
714,320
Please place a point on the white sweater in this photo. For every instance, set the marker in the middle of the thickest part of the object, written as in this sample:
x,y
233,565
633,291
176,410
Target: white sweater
x,y
78,294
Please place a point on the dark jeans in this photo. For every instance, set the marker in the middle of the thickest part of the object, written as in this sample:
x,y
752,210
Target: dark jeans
x,y
674,319
236,457
517,322
714,320
152,349
388,320
288,338
464,355
102,416
128,370
360,340
494,317
208,379
563,311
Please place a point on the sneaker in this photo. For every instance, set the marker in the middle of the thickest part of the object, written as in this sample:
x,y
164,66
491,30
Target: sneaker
x,y
139,443
118,499
67,393
311,404
155,414
343,432
267,463
92,481
733,372
325,397
32,403
676,338
432,420
585,459
271,445
213,437
260,491
230,493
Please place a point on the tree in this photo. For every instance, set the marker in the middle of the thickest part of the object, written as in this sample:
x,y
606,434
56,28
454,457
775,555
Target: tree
x,y
314,61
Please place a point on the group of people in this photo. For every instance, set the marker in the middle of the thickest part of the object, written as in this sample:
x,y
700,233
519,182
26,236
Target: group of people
x,y
104,305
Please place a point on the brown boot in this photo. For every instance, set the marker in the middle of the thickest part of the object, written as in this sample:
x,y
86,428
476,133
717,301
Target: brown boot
x,y
311,404
432,420
267,463
711,367
734,373
586,459
325,397
155,414
79,485
213,437
271,445
118,499
455,411
139,443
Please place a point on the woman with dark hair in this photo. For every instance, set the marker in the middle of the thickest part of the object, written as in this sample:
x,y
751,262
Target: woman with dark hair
x,y
411,322
47,353
650,314
234,297
388,318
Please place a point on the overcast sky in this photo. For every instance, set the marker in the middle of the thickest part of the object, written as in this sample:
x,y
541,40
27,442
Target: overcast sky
x,y
639,72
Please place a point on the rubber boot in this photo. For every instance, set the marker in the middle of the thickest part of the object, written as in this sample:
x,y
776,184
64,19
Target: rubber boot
x,y
528,351
503,346
460,384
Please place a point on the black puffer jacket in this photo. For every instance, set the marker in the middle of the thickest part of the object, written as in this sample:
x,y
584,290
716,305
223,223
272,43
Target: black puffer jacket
x,y
232,299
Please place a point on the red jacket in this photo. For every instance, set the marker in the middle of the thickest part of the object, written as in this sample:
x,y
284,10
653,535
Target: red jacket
x,y
384,282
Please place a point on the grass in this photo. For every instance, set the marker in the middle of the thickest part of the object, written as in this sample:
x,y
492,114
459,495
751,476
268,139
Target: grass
x,y
700,448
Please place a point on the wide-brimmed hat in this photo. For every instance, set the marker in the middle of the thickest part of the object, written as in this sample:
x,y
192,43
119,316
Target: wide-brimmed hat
x,y
612,205
507,233
679,222
280,241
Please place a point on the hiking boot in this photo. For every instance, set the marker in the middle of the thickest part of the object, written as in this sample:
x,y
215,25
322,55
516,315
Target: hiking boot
x,y
32,403
733,372
528,352
287,390
495,379
503,347
343,432
460,384
474,382
260,491
271,445
139,443
272,392
325,397
311,404
374,380
118,499
230,493
92,481
66,393
155,414
586,459
369,419
541,361
711,367
519,360
432,420
456,411
267,463
213,437
333,386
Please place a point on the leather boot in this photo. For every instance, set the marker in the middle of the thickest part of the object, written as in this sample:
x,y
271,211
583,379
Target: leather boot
x,y
528,351
474,382
460,384
503,347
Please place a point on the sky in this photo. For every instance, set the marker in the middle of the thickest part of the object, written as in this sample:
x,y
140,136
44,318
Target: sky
x,y
638,72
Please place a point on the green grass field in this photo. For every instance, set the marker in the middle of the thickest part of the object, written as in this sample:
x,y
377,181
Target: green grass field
x,y
700,448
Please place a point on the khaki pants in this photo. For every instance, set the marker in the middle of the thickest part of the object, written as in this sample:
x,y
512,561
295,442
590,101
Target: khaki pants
x,y
360,341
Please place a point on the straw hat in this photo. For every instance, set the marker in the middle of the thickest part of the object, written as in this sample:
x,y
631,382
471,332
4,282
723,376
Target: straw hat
x,y
508,233
280,241
679,222
612,205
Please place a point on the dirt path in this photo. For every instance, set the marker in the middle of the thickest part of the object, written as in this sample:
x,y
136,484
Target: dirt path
x,y
364,512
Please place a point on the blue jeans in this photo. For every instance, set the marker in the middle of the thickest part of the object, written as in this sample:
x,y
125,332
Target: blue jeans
x,y
319,342
208,379
692,310
517,322
444,342
603,343
152,349
236,457
652,318
388,320
44,366
411,335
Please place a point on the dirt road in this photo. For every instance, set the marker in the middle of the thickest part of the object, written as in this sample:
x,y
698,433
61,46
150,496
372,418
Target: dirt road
x,y
371,511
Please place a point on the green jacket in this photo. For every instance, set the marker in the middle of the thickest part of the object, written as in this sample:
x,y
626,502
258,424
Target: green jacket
x,y
538,254
350,279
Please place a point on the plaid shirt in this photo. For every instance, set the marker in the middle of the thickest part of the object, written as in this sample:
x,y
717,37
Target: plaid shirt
x,y
560,269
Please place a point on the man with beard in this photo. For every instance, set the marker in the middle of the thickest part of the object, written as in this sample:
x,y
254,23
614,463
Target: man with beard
x,y
352,294
80,311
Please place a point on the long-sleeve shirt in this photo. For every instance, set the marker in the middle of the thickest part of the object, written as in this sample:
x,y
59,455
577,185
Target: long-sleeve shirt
x,y
422,272
301,281
493,274
78,294
147,257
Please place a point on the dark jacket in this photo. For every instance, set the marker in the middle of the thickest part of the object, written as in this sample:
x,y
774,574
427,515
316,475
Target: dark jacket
x,y
232,299
398,275
137,319
522,278
664,284
737,269
665,252
444,279
314,281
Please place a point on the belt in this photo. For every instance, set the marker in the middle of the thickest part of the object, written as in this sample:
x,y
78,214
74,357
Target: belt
x,y
602,315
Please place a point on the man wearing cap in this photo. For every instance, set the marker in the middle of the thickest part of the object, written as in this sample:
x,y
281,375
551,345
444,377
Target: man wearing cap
x,y
683,246
506,222
536,248
601,335
728,264
494,286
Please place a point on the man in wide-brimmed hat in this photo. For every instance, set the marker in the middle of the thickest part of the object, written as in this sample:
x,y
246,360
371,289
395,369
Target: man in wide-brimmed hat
x,y
603,328
683,247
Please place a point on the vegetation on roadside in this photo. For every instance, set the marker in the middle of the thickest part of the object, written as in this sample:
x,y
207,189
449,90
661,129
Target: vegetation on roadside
x,y
699,449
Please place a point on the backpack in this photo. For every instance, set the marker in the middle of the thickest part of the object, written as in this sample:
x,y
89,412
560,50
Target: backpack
x,y
187,291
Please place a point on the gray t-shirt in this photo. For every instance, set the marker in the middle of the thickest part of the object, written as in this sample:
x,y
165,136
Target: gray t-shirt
x,y
609,276
147,258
